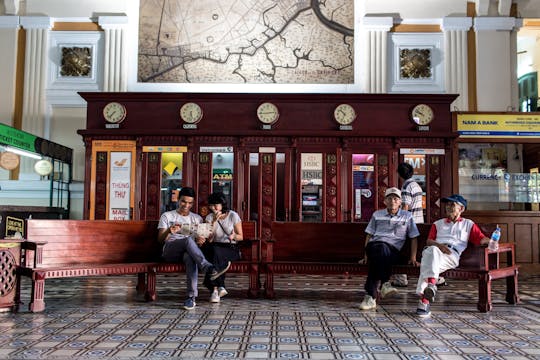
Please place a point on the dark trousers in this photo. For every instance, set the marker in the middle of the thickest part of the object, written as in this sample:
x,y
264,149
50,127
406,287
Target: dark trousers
x,y
381,257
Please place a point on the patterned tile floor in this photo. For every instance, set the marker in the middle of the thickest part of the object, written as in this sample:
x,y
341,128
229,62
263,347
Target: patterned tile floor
x,y
313,318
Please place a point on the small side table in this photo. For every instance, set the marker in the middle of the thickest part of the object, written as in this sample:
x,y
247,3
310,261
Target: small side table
x,y
10,259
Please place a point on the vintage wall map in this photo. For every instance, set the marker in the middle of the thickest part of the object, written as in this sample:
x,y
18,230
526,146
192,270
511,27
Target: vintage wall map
x,y
248,41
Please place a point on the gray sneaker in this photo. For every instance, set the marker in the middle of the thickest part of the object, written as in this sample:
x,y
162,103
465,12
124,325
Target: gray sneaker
x,y
430,291
214,274
387,290
423,309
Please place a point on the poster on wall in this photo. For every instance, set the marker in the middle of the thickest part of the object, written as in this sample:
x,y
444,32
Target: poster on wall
x,y
119,186
276,42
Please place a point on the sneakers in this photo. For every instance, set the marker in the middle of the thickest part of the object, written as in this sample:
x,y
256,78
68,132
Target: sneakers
x,y
368,303
222,291
441,281
400,280
423,309
430,291
214,298
214,274
387,290
189,304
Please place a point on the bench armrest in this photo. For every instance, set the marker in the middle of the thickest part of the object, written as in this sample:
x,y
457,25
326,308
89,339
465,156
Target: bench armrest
x,y
254,245
36,247
492,258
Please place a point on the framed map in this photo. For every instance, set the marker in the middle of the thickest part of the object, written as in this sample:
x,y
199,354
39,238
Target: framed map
x,y
246,42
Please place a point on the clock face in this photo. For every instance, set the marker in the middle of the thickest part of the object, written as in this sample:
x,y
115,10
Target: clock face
x,y
422,114
267,113
114,112
191,113
344,114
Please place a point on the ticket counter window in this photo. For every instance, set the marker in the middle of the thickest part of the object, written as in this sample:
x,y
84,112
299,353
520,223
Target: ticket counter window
x,y
499,176
418,162
364,195
311,172
222,174
171,180
278,187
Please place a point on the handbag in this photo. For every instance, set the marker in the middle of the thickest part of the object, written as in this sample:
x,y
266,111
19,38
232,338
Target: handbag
x,y
224,252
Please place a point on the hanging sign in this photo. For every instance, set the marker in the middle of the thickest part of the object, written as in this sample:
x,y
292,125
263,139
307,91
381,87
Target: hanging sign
x,y
525,125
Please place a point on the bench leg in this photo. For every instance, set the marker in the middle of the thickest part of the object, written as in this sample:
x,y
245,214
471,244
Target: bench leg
x,y
37,303
512,296
141,283
151,277
17,301
254,282
269,284
484,293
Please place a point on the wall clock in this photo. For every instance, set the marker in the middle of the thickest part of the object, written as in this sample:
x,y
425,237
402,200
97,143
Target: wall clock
x,y
191,112
267,113
114,112
344,114
422,114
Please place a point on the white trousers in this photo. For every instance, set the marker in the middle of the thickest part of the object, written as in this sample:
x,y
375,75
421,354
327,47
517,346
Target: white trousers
x,y
434,262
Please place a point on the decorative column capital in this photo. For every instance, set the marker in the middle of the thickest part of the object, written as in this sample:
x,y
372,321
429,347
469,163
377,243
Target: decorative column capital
x,y
494,23
456,23
377,23
11,6
36,22
113,22
9,22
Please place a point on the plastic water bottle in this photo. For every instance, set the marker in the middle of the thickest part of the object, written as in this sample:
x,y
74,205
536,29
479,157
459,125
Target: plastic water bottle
x,y
494,241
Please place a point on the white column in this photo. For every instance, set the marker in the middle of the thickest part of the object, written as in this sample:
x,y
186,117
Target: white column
x,y
114,64
35,70
374,50
9,29
455,50
514,90
495,63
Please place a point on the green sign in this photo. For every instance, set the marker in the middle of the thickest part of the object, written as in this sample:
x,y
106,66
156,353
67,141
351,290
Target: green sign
x,y
17,138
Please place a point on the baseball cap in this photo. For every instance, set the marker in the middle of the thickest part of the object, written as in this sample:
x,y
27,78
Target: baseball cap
x,y
394,191
455,198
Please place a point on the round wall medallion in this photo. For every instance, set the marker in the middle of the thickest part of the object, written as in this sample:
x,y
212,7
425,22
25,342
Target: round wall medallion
x,y
9,160
43,167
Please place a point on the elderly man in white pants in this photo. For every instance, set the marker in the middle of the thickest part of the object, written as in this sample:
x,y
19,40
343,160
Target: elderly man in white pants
x,y
446,241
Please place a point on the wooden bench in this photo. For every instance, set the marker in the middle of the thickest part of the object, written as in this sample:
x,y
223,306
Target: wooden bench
x,y
335,248
77,248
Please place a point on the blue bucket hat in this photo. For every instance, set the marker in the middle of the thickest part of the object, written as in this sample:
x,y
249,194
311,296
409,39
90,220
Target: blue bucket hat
x,y
456,198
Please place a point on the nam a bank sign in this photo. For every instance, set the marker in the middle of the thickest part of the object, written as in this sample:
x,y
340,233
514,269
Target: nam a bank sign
x,y
498,125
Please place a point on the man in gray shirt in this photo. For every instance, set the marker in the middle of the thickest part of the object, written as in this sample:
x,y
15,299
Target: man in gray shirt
x,y
386,234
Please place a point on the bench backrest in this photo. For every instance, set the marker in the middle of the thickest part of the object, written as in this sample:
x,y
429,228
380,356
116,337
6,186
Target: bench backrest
x,y
327,242
344,243
95,241
104,241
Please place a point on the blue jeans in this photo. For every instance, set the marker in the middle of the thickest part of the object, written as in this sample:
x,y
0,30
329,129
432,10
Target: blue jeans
x,y
185,249
381,257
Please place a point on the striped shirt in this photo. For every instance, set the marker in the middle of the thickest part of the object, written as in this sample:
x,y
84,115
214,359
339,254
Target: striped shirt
x,y
392,229
411,195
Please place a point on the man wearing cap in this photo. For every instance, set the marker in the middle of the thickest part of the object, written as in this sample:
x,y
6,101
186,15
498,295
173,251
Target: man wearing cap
x,y
446,241
385,236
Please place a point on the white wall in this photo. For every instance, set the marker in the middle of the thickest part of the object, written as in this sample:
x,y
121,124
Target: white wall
x,y
79,8
64,125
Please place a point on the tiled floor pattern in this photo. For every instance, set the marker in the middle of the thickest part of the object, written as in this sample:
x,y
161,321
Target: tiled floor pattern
x,y
313,318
